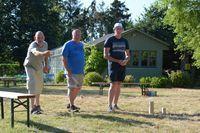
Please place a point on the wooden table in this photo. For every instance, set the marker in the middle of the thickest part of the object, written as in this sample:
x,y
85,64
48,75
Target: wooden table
x,y
16,98
143,86
8,80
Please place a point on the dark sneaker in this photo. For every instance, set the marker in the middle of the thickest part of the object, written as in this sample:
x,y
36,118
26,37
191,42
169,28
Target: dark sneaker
x,y
39,108
68,106
116,107
73,108
37,112
33,110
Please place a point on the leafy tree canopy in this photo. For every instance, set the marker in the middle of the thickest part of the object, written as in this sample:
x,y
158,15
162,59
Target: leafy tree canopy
x,y
184,16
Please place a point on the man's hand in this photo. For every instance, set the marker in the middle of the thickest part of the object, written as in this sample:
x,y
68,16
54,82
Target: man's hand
x,y
46,69
47,53
123,62
69,73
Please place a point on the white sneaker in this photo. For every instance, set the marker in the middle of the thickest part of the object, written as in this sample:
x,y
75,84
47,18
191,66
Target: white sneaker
x,y
110,109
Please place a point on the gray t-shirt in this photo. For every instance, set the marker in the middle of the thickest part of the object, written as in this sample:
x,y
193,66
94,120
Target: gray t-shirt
x,y
36,62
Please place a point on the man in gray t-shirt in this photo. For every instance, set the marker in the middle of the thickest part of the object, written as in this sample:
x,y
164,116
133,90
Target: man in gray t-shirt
x,y
35,63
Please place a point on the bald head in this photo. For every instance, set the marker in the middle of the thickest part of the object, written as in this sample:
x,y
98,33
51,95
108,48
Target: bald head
x,y
39,36
76,35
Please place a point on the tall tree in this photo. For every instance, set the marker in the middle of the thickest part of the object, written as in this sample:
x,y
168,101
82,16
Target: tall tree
x,y
70,15
26,17
7,30
184,16
33,16
151,22
118,12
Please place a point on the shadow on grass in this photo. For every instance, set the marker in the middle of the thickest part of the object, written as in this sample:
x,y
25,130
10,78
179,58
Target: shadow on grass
x,y
115,119
14,89
93,92
182,117
52,91
45,128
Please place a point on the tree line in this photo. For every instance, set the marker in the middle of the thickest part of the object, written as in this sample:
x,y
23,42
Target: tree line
x,y
175,22
20,19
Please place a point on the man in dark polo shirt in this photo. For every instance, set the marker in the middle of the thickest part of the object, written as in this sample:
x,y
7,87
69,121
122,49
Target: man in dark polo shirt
x,y
116,51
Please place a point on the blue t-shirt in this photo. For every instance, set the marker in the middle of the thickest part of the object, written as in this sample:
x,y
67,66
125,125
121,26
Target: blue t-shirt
x,y
117,50
74,53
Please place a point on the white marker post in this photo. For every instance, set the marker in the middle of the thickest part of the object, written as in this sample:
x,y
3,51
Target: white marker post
x,y
163,111
151,107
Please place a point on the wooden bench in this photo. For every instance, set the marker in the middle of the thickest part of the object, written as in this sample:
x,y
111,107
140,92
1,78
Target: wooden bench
x,y
143,86
7,80
16,98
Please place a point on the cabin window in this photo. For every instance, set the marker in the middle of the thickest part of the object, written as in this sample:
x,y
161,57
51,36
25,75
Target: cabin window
x,y
135,55
152,58
148,58
142,58
134,61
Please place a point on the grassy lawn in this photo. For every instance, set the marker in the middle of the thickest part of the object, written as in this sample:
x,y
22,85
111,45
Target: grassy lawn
x,y
182,107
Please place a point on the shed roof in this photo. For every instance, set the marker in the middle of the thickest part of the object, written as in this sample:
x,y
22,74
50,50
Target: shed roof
x,y
103,38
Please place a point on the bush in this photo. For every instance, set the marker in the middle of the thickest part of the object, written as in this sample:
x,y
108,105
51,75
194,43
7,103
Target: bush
x,y
129,79
156,82
107,78
9,69
95,61
180,79
145,80
92,77
165,82
160,82
60,78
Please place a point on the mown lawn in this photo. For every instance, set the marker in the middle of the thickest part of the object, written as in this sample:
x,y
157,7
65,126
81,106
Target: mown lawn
x,y
182,106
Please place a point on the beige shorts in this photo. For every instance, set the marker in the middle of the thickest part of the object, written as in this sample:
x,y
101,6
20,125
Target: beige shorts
x,y
34,81
75,81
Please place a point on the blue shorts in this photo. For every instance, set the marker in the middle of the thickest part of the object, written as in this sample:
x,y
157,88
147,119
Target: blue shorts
x,y
117,75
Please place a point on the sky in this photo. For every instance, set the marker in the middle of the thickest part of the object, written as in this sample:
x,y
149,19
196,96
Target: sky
x,y
136,7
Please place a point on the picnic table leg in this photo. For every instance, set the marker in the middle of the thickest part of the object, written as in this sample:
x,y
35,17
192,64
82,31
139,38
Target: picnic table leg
x,y
14,83
12,113
4,82
8,84
101,90
28,113
142,89
2,109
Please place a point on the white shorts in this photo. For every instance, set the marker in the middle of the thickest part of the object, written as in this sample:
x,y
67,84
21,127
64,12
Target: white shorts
x,y
34,81
75,81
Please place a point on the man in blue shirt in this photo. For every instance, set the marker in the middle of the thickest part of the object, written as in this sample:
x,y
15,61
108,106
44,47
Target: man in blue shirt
x,y
116,51
74,61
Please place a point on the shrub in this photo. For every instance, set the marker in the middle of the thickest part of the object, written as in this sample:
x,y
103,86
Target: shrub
x,y
60,77
107,78
165,82
145,80
156,82
160,82
129,79
180,79
95,61
92,77
9,69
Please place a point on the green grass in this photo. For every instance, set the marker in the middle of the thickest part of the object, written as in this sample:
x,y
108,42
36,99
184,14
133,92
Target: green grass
x,y
182,105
